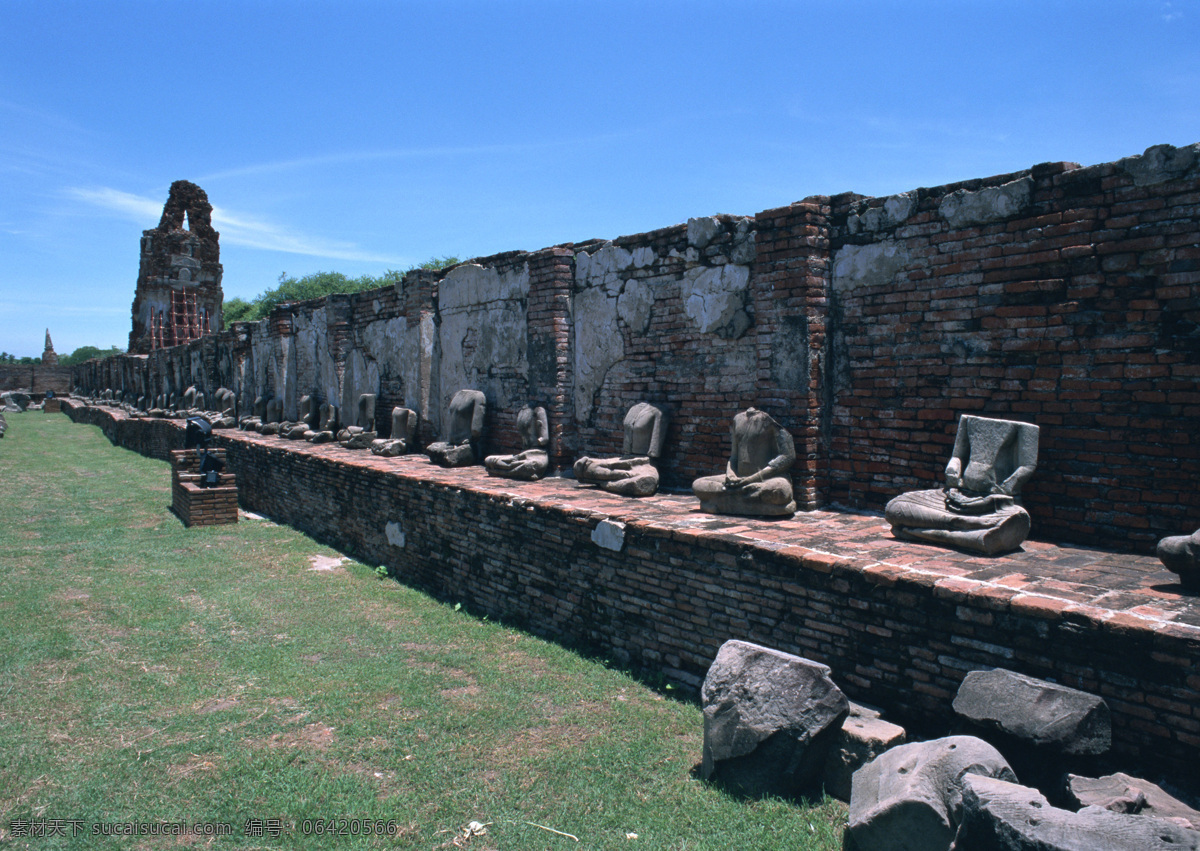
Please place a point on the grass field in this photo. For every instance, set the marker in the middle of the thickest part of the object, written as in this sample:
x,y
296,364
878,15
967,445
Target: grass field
x,y
159,675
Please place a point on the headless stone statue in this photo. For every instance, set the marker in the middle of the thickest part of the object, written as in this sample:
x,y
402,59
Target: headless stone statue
x,y
978,509
225,405
757,479
1181,555
633,472
404,429
274,416
254,421
308,420
362,434
532,462
466,413
327,430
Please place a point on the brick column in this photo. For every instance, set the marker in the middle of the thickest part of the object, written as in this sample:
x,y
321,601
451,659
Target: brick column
x,y
791,285
548,317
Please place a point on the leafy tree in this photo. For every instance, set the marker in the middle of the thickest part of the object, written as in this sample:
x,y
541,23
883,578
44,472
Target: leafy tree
x,y
84,353
315,286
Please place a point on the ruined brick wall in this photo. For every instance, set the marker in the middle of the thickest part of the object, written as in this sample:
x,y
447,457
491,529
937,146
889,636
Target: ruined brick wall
x,y
670,596
178,296
1063,296
36,379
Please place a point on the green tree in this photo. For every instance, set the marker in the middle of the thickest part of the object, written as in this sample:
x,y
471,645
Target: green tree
x,y
84,353
316,285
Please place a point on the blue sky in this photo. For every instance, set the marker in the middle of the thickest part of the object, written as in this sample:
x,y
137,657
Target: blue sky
x,y
362,136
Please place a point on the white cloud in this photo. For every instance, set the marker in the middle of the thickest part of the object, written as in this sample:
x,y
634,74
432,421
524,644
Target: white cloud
x,y
235,228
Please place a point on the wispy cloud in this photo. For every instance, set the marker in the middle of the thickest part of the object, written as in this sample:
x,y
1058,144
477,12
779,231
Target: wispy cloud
x,y
235,228
346,157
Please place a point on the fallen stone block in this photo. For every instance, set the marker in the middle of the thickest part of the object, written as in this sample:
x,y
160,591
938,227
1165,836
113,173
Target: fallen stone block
x,y
769,720
864,736
910,798
1044,714
1122,793
1002,816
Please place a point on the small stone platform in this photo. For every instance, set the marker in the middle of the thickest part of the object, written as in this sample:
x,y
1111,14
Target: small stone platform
x,y
196,505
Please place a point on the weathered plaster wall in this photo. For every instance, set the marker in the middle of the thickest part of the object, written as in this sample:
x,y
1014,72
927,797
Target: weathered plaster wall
x,y
1064,296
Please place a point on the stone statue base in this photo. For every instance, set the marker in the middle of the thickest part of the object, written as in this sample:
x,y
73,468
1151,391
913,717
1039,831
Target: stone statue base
x,y
389,448
529,465
357,439
945,517
450,455
772,498
1181,555
626,476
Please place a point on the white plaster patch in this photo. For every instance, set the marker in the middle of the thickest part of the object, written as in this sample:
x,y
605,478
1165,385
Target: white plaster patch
x,y
962,208
715,299
395,534
868,265
634,305
602,267
473,285
610,535
598,345
701,230
643,256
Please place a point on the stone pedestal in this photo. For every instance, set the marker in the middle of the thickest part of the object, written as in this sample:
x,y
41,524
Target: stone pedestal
x,y
201,506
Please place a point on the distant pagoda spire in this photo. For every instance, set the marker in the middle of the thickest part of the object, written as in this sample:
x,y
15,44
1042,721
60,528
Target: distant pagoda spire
x,y
49,358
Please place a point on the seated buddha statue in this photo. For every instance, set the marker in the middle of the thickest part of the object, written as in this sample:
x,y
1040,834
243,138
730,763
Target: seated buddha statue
x,y
757,479
632,473
460,447
533,461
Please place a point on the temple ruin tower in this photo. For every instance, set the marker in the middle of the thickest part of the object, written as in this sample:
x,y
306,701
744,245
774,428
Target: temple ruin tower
x,y
178,294
49,356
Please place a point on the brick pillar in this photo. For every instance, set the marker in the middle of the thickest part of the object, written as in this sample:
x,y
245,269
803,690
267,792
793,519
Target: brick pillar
x,y
791,299
548,318
419,295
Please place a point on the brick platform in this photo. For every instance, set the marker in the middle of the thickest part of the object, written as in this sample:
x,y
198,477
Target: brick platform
x,y
900,623
196,505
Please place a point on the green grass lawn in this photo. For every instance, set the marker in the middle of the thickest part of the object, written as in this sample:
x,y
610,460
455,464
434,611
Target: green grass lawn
x,y
156,674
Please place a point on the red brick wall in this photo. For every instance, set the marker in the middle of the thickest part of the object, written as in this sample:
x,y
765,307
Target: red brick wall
x,y
1080,313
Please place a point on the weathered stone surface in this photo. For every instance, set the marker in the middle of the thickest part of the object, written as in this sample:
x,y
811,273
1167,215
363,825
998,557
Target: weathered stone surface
x,y
1063,719
16,402
1160,163
757,480
1122,793
1181,555
963,207
701,230
895,210
864,736
1002,816
978,509
910,798
769,720
871,265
